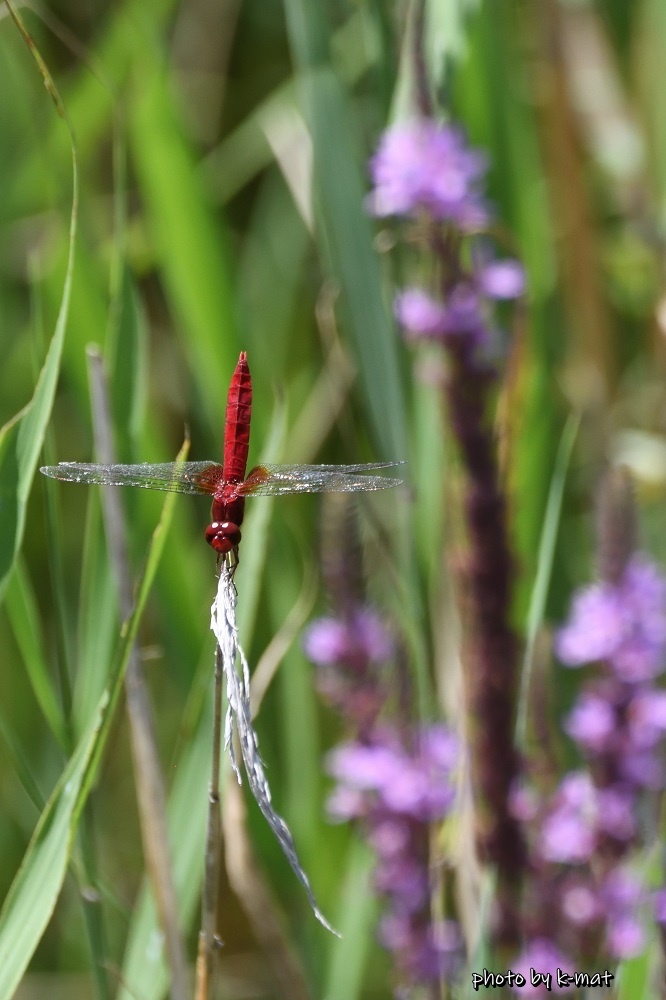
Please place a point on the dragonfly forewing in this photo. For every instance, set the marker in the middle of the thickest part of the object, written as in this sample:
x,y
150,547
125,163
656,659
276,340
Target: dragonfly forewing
x,y
171,477
274,480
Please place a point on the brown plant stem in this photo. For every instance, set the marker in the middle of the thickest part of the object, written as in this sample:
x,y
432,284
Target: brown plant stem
x,y
491,646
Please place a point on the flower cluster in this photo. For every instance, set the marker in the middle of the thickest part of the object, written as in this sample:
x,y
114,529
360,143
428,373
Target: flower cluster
x,y
466,314
397,792
426,170
590,822
396,781
423,167
350,652
622,623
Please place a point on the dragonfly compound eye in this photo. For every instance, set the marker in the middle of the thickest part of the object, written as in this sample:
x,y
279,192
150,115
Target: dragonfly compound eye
x,y
223,536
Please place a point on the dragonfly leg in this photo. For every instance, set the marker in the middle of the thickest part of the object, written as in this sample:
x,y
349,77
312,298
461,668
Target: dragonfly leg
x,y
232,560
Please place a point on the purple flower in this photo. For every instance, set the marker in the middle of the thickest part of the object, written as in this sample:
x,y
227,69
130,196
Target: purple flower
x,y
464,316
461,318
566,836
625,937
352,642
594,629
543,956
367,767
579,903
419,313
616,812
624,624
642,768
568,832
346,803
424,166
647,718
524,802
622,890
591,722
406,879
415,784
426,952
389,837
502,279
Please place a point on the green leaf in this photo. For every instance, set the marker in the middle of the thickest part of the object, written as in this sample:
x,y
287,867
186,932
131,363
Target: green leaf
x,y
23,614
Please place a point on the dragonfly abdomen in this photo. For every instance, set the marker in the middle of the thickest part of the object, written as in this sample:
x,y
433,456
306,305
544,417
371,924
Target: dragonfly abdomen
x,y
237,422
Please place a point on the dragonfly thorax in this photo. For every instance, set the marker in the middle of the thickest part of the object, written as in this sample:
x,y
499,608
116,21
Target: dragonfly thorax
x,y
223,533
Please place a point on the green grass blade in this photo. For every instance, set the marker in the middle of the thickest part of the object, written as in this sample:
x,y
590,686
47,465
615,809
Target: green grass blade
x,y
357,916
34,891
22,438
97,616
544,567
21,764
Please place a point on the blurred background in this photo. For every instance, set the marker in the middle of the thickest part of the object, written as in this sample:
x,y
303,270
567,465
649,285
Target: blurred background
x,y
223,151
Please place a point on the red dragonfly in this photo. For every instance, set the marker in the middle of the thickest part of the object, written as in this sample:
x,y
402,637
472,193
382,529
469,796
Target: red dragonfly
x,y
227,483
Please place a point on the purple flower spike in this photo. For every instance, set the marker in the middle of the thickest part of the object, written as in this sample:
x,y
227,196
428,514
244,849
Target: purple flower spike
x,y
398,789
425,166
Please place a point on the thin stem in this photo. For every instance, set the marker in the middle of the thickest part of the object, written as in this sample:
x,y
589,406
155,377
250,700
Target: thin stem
x,y
422,84
92,911
208,939
151,796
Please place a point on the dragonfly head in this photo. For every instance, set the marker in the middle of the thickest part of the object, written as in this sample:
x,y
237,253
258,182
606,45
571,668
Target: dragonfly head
x,y
223,536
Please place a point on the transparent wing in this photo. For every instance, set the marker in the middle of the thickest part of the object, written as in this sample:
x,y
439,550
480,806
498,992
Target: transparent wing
x,y
273,480
171,477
